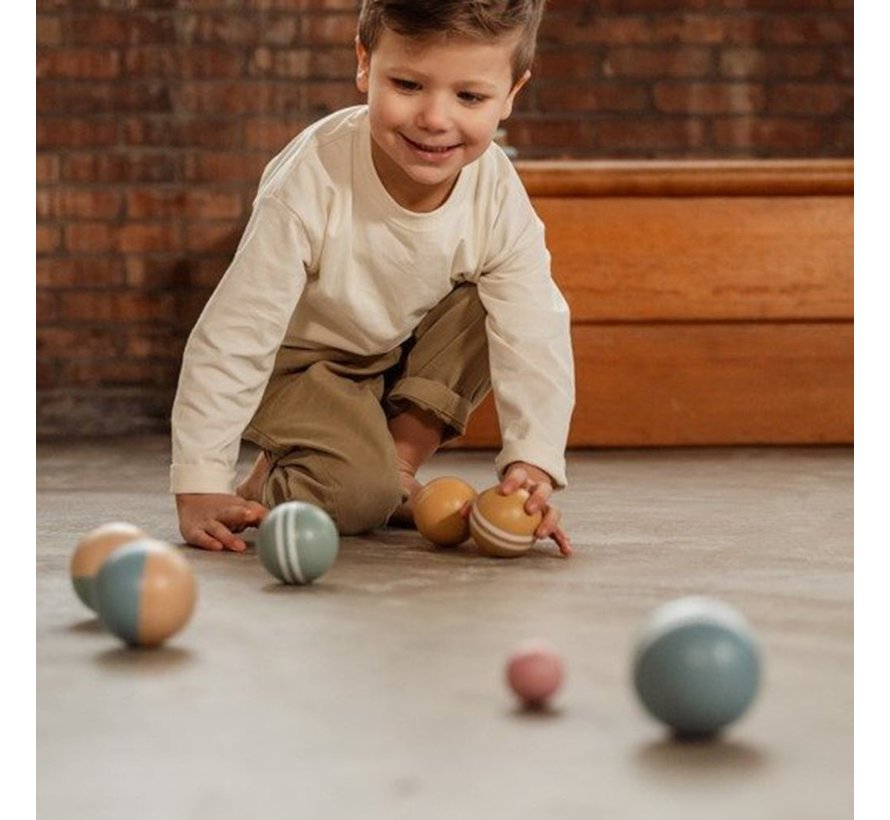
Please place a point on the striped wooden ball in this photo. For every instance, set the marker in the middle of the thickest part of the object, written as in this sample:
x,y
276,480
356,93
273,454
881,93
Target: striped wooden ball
x,y
91,552
437,511
500,525
298,542
145,592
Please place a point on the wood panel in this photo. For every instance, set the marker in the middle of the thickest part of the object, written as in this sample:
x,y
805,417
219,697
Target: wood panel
x,y
715,177
702,258
705,384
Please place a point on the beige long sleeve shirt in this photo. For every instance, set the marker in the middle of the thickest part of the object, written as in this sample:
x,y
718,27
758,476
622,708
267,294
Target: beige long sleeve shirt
x,y
329,260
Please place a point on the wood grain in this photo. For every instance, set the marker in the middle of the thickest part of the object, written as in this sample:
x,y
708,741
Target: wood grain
x,y
705,384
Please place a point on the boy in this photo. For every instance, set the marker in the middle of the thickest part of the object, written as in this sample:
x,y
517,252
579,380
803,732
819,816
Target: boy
x,y
392,271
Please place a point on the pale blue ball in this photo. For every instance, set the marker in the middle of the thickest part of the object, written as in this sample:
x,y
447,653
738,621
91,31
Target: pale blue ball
x,y
696,667
298,542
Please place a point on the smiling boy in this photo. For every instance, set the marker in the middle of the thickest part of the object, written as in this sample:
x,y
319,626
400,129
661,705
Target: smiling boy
x,y
392,272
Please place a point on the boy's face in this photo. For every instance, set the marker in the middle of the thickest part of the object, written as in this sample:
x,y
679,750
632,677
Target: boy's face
x,y
433,108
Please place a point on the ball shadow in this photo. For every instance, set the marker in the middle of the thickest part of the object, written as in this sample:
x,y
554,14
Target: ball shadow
x,y
143,660
314,589
678,757
535,713
91,626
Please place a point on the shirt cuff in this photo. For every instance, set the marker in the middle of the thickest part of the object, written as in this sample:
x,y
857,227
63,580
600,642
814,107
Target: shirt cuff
x,y
201,478
536,454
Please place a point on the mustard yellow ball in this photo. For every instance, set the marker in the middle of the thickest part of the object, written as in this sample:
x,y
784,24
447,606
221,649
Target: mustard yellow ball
x,y
437,511
499,524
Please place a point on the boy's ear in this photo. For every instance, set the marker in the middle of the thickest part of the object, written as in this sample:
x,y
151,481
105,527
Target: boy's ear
x,y
508,103
363,68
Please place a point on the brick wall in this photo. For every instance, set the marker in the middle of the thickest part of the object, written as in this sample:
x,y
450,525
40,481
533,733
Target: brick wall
x,y
156,117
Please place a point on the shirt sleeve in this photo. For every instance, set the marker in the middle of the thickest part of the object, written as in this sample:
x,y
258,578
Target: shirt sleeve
x,y
231,351
530,350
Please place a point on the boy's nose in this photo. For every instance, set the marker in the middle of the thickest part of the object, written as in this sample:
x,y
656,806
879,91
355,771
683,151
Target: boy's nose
x,y
433,115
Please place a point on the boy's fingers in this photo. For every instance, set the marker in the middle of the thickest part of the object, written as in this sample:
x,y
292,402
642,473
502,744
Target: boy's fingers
x,y
549,523
562,541
203,540
222,534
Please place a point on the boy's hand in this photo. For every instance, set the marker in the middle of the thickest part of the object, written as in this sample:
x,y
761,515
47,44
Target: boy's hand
x,y
540,487
209,520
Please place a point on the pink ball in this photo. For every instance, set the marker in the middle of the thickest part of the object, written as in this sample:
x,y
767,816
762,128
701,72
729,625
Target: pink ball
x,y
534,672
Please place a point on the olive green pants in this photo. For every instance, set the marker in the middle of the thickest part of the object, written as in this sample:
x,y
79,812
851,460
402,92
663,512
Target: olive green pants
x,y
322,421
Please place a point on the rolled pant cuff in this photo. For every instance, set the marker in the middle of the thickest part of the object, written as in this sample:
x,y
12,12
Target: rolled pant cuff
x,y
450,408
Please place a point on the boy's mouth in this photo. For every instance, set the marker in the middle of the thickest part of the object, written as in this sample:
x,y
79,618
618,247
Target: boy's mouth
x,y
434,151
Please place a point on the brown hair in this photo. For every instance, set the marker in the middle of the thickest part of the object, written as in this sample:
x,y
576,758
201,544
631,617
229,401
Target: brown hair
x,y
475,19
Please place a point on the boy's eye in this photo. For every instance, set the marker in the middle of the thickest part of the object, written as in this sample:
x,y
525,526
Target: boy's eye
x,y
469,97
405,85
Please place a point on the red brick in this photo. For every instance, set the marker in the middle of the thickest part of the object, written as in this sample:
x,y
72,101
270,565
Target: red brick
x,y
117,29
90,237
329,30
148,237
530,136
78,342
694,29
289,63
120,167
661,62
593,97
164,203
48,239
741,63
570,29
330,96
78,64
194,62
244,97
271,135
218,167
565,64
217,237
629,137
115,306
117,372
768,135
80,203
805,30
47,307
64,97
198,131
47,168
79,271
809,98
153,343
75,132
708,98
49,30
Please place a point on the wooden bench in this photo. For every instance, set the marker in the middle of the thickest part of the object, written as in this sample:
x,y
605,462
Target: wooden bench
x,y
712,301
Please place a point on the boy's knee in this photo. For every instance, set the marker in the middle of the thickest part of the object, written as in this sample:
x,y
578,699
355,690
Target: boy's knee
x,y
365,500
357,500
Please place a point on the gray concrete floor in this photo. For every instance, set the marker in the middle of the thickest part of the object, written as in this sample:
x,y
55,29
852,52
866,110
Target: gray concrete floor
x,y
378,692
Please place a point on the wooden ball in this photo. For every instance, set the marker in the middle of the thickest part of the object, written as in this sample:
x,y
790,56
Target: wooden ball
x,y
437,511
91,552
534,672
298,542
145,592
500,525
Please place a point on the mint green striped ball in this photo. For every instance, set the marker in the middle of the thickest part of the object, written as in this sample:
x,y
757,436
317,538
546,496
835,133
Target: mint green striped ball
x,y
298,542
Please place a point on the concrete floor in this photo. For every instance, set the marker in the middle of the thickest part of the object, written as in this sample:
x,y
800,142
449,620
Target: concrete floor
x,y
378,693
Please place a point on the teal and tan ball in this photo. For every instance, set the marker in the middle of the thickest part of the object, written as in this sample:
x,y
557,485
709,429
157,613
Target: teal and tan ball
x,y
91,552
145,592
499,524
437,511
298,542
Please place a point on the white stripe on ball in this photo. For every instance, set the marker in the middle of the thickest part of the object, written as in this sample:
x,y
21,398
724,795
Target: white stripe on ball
x,y
496,533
